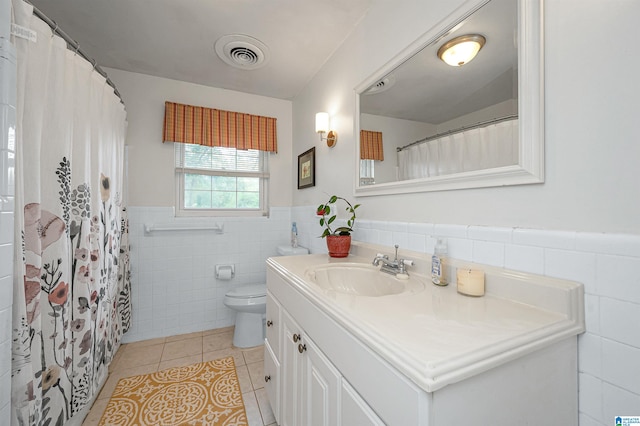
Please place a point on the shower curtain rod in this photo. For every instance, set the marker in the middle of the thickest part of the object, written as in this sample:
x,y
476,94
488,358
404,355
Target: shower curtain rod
x,y
75,46
460,130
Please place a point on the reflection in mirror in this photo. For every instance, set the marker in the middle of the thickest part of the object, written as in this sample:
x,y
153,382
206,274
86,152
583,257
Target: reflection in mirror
x,y
447,127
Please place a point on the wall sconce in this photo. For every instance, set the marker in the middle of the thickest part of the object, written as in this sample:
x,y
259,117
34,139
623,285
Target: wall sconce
x,y
322,126
460,50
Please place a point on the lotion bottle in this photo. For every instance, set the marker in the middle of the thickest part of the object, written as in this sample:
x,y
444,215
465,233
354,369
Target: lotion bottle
x,y
294,235
438,263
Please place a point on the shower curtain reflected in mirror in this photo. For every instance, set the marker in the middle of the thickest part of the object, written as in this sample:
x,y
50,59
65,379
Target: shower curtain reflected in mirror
x,y
71,289
495,145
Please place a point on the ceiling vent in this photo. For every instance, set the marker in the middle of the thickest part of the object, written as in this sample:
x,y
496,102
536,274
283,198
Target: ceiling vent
x,y
381,85
242,51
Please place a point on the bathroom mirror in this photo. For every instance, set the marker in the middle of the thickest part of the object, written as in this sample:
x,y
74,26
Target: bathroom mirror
x,y
451,127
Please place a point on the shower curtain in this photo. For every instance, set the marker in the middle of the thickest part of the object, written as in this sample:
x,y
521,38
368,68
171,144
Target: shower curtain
x,y
492,146
70,275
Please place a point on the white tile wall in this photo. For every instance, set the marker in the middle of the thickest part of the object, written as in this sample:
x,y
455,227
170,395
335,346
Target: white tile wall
x,y
174,289
607,264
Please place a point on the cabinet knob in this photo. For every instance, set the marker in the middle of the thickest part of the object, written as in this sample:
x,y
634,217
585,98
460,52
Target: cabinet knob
x,y
296,337
269,323
267,378
302,348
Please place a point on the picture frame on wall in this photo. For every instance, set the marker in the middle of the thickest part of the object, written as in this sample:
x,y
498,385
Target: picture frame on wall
x,y
307,169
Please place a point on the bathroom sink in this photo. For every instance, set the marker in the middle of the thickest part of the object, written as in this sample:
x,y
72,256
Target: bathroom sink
x,y
361,279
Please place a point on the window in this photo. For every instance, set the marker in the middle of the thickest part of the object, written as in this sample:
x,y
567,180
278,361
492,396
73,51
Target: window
x,y
218,180
367,175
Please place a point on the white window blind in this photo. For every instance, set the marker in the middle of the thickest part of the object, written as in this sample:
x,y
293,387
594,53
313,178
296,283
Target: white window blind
x,y
367,175
214,180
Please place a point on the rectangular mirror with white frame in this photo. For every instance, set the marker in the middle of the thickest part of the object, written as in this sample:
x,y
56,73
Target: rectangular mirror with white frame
x,y
424,125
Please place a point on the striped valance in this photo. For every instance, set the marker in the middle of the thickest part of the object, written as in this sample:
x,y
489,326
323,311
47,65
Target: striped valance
x,y
371,145
214,127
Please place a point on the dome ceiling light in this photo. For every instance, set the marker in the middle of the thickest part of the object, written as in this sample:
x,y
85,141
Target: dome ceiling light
x,y
461,50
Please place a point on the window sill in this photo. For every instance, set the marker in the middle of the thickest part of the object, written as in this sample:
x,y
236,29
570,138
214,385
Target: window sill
x,y
220,213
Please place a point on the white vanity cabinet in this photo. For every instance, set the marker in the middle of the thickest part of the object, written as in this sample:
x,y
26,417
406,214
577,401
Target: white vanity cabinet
x,y
354,410
430,358
313,390
272,355
304,387
311,382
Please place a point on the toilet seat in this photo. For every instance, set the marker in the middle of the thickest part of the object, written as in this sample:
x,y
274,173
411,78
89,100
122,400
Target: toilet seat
x,y
248,291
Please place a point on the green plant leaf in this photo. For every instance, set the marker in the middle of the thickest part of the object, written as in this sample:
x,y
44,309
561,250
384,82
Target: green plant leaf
x,y
343,231
324,210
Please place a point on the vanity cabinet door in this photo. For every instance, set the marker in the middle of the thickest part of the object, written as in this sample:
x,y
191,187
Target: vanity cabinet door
x,y
273,324
272,380
291,363
321,387
354,410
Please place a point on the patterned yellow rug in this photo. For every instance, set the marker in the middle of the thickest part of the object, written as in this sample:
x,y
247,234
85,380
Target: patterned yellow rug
x,y
201,394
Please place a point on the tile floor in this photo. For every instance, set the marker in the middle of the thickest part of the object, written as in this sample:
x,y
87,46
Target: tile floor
x,y
158,354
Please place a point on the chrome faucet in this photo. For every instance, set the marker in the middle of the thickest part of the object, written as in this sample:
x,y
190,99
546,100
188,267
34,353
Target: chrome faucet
x,y
393,267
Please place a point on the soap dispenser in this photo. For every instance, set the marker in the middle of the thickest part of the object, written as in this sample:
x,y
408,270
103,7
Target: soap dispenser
x,y
294,235
438,263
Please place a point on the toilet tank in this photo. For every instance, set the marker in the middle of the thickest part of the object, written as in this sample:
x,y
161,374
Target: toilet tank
x,y
291,251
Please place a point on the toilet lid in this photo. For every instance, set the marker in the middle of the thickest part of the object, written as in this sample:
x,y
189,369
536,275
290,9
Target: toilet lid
x,y
253,290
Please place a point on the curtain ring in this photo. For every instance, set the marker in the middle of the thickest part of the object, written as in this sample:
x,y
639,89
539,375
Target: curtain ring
x,y
95,64
75,52
55,29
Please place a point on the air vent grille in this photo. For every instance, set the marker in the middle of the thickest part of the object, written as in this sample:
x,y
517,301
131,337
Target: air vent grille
x,y
242,51
381,85
243,55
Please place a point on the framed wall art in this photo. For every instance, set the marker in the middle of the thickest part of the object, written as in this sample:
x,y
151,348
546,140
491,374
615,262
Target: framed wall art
x,y
307,169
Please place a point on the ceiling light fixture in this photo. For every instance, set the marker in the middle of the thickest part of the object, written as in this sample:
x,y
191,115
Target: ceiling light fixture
x,y
461,50
322,126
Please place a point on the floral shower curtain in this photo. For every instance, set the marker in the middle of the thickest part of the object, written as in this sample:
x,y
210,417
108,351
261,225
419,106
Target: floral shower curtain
x,y
71,285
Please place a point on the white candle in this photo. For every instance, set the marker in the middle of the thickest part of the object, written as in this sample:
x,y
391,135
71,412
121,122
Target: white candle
x,y
470,282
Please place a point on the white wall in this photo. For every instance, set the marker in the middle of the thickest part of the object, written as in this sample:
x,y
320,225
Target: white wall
x,y
591,102
151,162
395,133
503,109
173,285
174,289
581,224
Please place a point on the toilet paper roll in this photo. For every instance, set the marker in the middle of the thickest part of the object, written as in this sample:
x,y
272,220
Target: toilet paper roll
x,y
224,273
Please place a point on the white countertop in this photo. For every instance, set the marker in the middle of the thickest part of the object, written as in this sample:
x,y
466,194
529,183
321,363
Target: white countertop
x,y
437,336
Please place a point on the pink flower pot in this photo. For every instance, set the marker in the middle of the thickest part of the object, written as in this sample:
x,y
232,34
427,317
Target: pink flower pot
x,y
338,245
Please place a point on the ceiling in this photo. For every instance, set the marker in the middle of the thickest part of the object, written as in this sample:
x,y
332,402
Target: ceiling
x,y
175,38
425,89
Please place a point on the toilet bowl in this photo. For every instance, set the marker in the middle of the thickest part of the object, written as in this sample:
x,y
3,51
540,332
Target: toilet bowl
x,y
250,304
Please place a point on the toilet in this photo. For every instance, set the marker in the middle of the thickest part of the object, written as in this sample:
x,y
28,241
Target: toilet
x,y
250,304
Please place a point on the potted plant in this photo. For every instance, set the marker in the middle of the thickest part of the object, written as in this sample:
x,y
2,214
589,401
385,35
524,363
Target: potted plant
x,y
338,239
